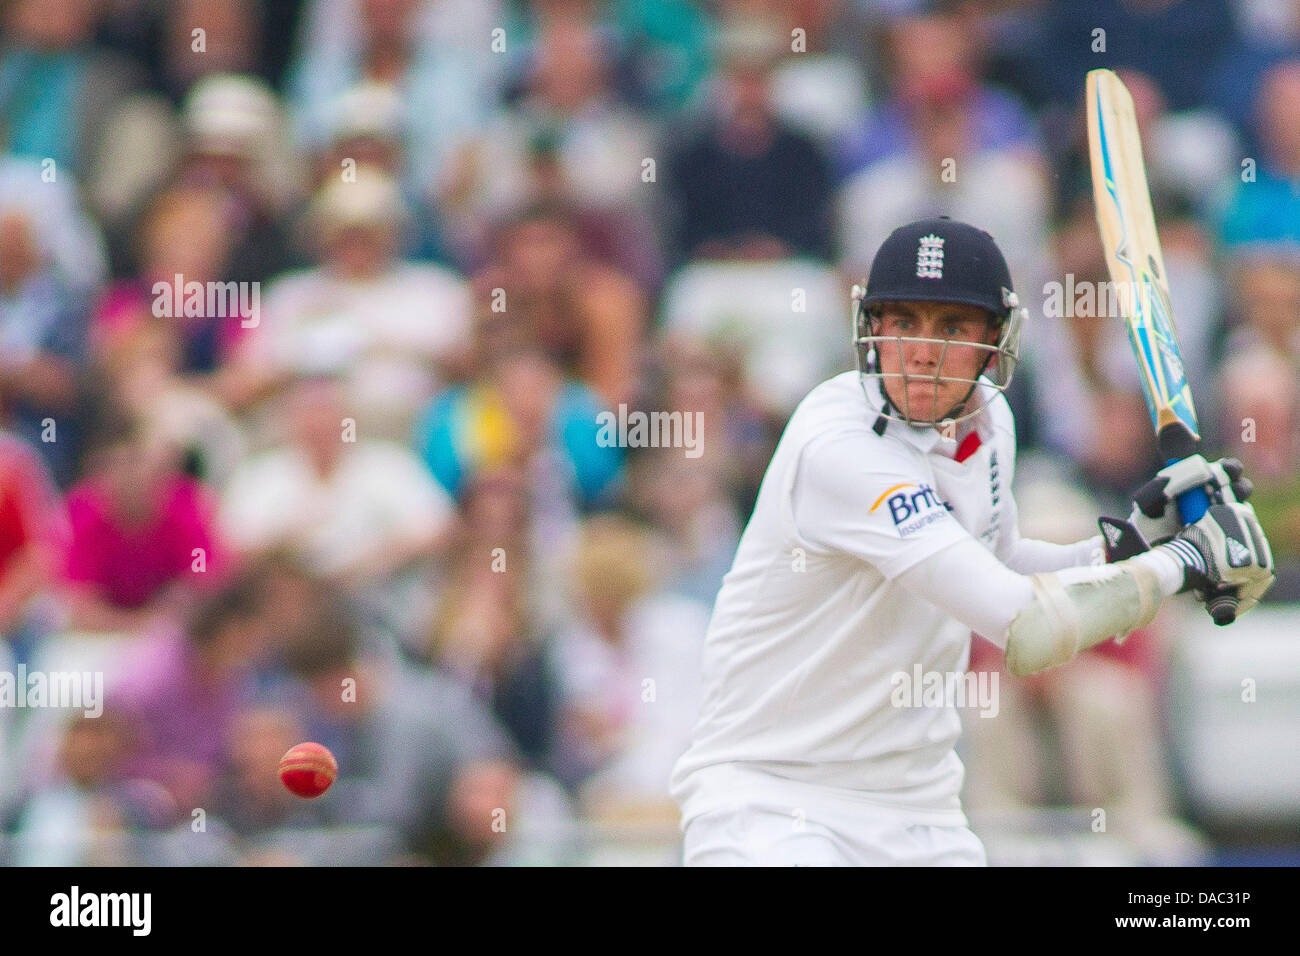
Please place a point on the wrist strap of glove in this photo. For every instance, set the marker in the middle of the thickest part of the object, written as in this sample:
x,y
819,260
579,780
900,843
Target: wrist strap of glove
x,y
1195,570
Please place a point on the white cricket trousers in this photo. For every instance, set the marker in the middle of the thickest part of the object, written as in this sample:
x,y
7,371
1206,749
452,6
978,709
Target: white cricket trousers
x,y
762,835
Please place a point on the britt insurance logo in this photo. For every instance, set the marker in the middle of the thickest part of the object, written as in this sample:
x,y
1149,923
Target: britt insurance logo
x,y
912,507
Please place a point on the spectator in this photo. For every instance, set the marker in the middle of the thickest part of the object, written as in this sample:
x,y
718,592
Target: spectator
x,y
42,346
143,373
357,510
485,634
792,332
947,165
629,664
68,240
247,794
238,36
668,55
82,815
229,139
747,179
618,235
819,88
231,41
396,328
508,509
929,56
33,539
436,55
143,535
688,502
1266,210
416,752
1267,34
294,595
234,143
186,685
1260,403
521,413
1158,38
57,90
543,287
367,130
569,126
183,238
739,413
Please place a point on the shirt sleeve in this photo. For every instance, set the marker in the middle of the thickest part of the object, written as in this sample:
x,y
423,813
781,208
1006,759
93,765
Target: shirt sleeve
x,y
1031,556
872,502
970,584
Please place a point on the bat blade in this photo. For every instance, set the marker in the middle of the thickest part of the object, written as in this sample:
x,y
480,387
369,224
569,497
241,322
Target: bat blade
x,y
1137,271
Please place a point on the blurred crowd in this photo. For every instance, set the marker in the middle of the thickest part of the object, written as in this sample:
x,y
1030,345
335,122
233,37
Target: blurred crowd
x,y
309,308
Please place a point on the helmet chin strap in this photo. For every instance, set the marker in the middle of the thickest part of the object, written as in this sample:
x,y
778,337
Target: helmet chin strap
x,y
882,420
960,407
872,363
957,408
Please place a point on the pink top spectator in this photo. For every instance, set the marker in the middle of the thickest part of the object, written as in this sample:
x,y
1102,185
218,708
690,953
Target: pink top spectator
x,y
126,303
132,565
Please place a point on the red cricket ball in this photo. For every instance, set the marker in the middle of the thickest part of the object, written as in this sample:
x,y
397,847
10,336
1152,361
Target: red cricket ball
x,y
308,770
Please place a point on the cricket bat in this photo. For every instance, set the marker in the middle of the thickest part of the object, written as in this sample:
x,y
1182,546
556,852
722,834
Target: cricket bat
x,y
1137,269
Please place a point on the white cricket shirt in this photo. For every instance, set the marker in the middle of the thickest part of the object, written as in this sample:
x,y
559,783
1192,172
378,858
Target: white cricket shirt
x,y
811,623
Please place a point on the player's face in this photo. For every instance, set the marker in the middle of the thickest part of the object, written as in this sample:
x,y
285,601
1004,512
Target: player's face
x,y
925,379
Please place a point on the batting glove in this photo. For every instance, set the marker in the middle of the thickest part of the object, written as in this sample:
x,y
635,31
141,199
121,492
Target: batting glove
x,y
1153,521
1226,560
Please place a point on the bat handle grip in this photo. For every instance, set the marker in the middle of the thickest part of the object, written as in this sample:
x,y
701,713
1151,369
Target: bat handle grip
x,y
1222,601
1222,605
1193,504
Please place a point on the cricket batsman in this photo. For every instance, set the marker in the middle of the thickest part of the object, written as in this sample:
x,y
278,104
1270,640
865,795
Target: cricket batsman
x,y
884,533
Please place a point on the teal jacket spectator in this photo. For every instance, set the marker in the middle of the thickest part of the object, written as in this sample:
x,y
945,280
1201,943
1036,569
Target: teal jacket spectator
x,y
58,90
1264,211
470,429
